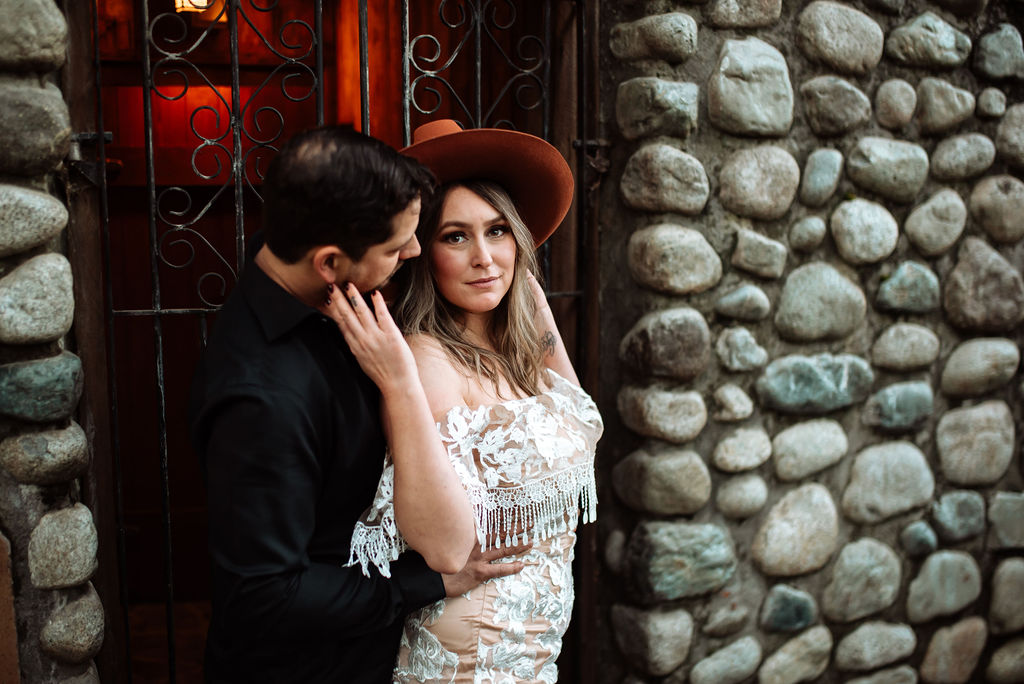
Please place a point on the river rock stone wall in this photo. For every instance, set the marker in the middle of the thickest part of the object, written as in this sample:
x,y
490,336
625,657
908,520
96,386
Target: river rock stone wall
x,y
812,305
56,625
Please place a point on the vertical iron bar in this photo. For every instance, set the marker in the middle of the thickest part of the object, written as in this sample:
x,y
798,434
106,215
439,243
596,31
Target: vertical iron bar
x,y
478,26
583,132
406,86
165,497
318,21
548,42
237,172
364,66
108,296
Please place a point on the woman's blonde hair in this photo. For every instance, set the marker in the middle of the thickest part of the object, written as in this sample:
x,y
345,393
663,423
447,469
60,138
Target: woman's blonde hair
x,y
517,355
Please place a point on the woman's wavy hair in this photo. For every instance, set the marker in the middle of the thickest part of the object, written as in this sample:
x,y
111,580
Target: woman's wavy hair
x,y
420,308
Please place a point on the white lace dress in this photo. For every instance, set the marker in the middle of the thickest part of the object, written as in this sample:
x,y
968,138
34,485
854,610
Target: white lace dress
x,y
527,464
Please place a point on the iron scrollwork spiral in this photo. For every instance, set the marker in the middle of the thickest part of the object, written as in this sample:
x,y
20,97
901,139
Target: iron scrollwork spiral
x,y
231,138
476,26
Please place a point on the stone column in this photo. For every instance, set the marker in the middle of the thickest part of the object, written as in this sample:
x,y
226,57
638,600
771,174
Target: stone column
x,y
42,450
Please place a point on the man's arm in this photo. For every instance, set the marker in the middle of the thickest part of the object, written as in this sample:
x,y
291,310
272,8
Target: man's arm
x,y
263,483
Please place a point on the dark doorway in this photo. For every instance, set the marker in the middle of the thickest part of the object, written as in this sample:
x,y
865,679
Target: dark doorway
x,y
196,103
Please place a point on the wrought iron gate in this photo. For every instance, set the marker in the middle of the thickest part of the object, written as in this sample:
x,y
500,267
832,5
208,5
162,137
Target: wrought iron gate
x,y
194,115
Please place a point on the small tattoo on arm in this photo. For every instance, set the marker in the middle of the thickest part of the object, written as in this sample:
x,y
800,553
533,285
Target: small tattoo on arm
x,y
547,342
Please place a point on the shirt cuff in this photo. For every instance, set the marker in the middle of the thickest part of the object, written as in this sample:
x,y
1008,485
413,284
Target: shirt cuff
x,y
420,586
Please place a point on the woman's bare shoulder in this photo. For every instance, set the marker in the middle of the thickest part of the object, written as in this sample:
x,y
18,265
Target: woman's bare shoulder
x,y
444,384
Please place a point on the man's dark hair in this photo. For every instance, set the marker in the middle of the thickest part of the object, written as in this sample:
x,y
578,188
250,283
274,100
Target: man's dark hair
x,y
335,186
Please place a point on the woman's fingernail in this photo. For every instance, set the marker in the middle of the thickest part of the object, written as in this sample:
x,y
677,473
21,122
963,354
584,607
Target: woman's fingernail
x,y
330,287
345,285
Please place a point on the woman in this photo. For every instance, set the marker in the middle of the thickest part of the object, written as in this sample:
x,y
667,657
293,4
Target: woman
x,y
519,431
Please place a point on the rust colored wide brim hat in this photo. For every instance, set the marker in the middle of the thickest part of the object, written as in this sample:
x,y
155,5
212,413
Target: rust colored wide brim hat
x,y
533,172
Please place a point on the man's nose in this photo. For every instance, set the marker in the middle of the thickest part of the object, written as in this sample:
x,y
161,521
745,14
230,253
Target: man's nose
x,y
411,249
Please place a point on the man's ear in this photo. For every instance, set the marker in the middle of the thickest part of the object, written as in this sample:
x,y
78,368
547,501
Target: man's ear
x,y
330,263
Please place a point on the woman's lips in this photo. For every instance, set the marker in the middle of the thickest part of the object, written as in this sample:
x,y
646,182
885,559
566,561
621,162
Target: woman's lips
x,y
483,282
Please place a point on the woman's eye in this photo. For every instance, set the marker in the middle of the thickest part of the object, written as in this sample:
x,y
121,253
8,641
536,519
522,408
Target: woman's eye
x,y
453,238
498,231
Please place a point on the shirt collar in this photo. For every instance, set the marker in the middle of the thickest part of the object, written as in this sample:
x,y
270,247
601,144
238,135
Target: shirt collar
x,y
276,309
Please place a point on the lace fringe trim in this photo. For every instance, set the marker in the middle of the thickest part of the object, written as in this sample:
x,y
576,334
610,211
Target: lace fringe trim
x,y
542,509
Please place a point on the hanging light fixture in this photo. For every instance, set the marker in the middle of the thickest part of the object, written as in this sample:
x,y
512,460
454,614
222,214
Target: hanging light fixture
x,y
193,5
206,11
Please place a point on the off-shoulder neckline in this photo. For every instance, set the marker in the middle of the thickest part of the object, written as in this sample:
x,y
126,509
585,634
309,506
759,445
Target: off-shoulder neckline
x,y
558,381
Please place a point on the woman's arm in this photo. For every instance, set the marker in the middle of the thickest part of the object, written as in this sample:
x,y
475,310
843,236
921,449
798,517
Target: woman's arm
x,y
555,356
431,506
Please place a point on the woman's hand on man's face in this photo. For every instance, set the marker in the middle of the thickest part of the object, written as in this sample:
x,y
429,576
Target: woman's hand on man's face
x,y
373,337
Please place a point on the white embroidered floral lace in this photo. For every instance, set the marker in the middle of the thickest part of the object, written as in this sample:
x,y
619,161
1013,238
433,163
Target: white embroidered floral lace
x,y
527,464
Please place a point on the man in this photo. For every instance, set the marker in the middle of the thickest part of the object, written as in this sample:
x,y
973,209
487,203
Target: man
x,y
288,429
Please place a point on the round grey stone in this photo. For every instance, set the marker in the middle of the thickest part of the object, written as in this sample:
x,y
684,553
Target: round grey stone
x,y
822,172
928,41
615,551
37,41
654,641
935,225
1006,614
787,609
759,182
894,169
36,301
746,303
673,259
899,407
803,658
1007,663
819,303
979,366
983,292
62,549
732,14
799,534
887,479
1006,521
648,106
874,644
759,255
28,219
726,619
975,443
1010,136
674,343
672,560
739,351
35,128
840,37
991,103
671,482
1000,53
947,582
730,665
834,106
670,413
733,403
905,346
749,92
46,458
814,384
904,674
865,580
742,496
919,539
661,178
807,448
671,37
42,390
959,515
997,204
962,156
912,287
865,232
895,103
806,234
743,449
954,651
941,106
74,633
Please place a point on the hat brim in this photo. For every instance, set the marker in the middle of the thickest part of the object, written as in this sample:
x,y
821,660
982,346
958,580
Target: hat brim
x,y
536,176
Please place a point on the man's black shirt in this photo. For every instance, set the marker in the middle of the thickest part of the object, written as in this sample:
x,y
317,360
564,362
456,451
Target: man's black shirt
x,y
287,427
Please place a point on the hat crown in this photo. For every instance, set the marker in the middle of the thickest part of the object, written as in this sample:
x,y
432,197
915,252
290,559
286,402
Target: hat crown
x,y
435,129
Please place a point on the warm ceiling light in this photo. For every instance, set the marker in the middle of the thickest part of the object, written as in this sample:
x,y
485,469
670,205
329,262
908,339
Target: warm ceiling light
x,y
193,5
